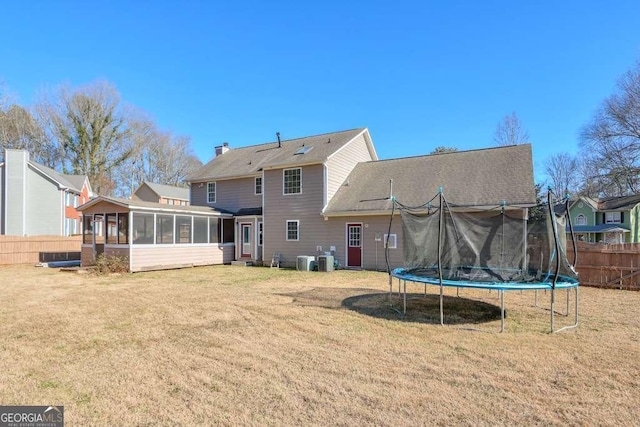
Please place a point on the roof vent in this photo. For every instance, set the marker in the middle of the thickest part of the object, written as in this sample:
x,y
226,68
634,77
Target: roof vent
x,y
279,143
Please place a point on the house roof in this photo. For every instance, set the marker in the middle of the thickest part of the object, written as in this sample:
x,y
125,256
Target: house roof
x,y
167,191
142,205
483,177
600,228
618,203
73,182
251,160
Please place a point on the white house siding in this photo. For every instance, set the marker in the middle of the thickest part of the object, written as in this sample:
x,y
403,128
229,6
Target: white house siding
x,y
373,252
44,205
15,176
158,256
304,207
231,195
342,163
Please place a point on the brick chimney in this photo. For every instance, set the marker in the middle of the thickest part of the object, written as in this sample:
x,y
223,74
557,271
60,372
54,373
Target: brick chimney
x,y
221,149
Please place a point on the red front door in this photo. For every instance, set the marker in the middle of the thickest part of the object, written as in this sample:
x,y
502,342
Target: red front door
x,y
354,245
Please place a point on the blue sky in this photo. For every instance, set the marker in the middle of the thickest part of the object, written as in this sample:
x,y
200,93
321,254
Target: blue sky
x,y
418,74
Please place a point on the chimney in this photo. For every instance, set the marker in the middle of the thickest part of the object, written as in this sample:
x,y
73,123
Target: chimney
x,y
221,149
279,143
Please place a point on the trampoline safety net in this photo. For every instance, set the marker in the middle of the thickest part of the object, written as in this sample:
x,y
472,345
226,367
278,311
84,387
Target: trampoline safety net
x,y
486,246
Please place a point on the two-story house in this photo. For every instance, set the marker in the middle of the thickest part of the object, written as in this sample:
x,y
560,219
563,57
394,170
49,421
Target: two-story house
x,y
329,193
37,200
609,220
163,194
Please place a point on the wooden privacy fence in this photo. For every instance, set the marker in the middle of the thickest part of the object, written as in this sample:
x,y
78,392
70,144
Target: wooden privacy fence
x,y
608,266
26,250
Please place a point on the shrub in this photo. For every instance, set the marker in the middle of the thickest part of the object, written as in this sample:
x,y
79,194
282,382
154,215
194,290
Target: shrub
x,y
112,264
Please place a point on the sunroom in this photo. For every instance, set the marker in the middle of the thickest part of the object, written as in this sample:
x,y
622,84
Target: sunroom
x,y
154,236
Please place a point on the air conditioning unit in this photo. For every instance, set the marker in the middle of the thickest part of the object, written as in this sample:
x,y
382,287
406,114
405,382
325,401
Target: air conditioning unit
x,y
325,263
304,262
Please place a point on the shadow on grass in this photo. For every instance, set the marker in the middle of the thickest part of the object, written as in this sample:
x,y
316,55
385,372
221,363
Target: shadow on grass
x,y
420,308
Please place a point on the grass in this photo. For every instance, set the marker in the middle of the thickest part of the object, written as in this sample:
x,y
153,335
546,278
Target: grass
x,y
255,346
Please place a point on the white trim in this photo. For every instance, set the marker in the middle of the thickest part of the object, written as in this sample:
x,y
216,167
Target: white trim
x,y
215,192
325,184
392,237
346,243
255,180
130,240
283,185
286,230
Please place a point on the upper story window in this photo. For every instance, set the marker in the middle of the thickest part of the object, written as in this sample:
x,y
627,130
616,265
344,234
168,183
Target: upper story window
x,y
613,217
292,181
258,185
581,220
211,192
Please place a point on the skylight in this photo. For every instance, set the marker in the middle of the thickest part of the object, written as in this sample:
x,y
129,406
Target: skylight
x,y
303,150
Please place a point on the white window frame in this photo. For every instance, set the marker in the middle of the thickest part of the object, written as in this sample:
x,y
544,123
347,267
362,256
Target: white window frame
x,y
612,218
255,185
284,186
215,192
393,241
581,219
286,230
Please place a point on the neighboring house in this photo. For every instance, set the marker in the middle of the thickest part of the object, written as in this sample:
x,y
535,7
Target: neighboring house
x,y
329,193
36,200
154,235
609,220
163,194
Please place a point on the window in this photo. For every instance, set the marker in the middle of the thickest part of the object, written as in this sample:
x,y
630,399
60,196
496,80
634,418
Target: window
x,y
259,234
303,150
200,225
259,185
293,230
292,181
393,241
581,219
613,217
214,233
183,229
112,228
211,192
142,228
87,229
164,229
123,228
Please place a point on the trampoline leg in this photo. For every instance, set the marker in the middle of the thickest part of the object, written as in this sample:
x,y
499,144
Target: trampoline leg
x,y
404,309
441,305
458,292
425,290
502,311
553,307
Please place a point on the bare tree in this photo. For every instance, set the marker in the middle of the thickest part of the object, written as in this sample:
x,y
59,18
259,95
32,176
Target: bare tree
x,y
20,130
91,129
510,131
562,169
612,137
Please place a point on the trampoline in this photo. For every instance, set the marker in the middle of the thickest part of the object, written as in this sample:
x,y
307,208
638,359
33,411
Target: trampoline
x,y
502,248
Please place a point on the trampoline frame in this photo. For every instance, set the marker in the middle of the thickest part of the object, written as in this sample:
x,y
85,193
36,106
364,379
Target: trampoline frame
x,y
501,287
558,281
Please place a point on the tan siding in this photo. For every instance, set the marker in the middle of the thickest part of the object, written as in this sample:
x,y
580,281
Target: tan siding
x,y
157,257
305,207
342,163
146,194
116,251
104,207
232,194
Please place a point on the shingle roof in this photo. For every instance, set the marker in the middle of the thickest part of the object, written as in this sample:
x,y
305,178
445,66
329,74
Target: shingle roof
x,y
623,202
168,191
252,159
600,228
478,177
74,182
136,203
